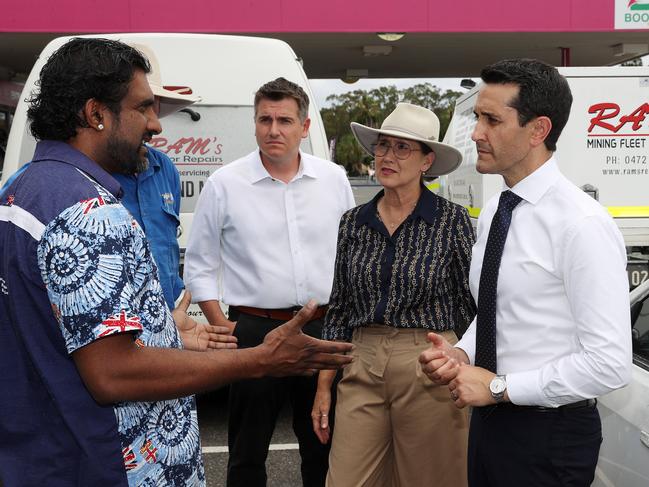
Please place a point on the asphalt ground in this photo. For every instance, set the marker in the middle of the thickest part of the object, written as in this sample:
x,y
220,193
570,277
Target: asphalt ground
x,y
283,463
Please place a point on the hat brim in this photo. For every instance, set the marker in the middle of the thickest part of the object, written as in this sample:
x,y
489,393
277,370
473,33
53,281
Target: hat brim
x,y
447,158
170,101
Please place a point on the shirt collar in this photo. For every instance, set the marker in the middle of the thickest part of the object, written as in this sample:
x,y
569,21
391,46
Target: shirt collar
x,y
154,162
535,185
427,206
426,209
55,150
258,171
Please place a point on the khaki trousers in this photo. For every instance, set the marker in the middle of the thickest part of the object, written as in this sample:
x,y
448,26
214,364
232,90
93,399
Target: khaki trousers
x,y
393,426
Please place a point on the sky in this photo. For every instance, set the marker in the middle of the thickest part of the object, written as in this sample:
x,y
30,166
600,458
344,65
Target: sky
x,y
325,87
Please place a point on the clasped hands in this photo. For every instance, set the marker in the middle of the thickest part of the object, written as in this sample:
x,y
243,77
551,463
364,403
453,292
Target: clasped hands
x,y
444,364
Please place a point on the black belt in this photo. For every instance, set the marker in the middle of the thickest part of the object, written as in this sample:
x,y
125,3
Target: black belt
x,y
280,314
586,403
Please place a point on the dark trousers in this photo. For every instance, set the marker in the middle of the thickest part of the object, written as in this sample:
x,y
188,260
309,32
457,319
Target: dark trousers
x,y
524,447
253,409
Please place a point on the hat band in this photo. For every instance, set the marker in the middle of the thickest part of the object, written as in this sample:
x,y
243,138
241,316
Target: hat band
x,y
401,129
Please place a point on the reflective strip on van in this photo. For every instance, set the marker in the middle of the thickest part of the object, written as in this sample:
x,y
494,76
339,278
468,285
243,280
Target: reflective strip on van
x,y
433,186
628,211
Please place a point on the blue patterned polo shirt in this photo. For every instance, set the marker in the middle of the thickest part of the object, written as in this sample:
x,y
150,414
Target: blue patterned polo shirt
x,y
76,268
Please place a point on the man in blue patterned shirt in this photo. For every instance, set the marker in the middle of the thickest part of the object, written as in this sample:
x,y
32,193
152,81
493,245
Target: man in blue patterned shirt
x,y
97,385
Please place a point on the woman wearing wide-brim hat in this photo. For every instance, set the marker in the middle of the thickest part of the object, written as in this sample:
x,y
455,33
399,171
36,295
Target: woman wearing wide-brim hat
x,y
402,270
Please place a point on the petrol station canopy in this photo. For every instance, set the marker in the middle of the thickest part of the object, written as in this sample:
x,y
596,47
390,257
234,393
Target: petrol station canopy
x,y
339,38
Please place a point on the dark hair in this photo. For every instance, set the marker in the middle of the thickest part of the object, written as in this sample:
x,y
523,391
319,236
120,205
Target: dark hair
x,y
425,150
542,92
80,70
281,88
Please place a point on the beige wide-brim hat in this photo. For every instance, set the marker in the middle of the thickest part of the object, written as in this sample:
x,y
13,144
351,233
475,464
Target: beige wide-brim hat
x,y
172,98
412,122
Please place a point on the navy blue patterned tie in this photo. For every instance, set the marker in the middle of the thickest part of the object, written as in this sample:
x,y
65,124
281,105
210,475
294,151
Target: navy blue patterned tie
x,y
485,355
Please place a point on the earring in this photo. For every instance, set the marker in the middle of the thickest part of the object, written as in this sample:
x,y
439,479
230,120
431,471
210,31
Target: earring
x,y
100,126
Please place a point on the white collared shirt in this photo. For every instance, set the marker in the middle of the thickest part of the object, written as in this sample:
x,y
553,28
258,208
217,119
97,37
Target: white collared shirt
x,y
257,241
562,309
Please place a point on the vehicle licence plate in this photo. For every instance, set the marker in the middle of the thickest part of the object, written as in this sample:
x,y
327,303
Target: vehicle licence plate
x,y
638,273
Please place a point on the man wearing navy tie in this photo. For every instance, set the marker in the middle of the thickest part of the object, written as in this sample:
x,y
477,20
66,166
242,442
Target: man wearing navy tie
x,y
552,331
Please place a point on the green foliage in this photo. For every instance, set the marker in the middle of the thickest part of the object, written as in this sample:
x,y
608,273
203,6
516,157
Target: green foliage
x,y
370,108
633,62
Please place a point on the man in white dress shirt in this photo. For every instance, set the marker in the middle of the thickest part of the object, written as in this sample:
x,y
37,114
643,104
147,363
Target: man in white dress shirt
x,y
561,304
263,241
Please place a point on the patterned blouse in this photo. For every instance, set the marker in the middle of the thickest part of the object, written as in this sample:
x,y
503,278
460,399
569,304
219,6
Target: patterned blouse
x,y
416,278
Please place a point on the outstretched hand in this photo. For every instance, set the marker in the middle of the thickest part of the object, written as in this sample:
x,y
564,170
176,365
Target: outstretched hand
x,y
288,351
200,336
441,362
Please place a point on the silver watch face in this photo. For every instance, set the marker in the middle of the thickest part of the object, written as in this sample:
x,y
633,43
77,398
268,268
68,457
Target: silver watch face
x,y
498,385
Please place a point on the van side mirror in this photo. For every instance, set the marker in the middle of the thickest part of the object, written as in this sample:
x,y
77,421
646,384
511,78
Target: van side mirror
x,y
591,191
195,116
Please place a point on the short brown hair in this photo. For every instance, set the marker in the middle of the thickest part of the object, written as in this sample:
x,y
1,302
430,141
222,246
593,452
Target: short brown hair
x,y
281,88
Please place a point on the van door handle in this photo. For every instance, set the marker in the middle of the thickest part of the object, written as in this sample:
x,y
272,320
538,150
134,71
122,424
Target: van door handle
x,y
644,438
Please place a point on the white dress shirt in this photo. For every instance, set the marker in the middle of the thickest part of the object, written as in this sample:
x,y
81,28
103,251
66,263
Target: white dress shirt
x,y
562,310
257,241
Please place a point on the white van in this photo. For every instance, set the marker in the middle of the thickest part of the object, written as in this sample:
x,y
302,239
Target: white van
x,y
225,71
604,149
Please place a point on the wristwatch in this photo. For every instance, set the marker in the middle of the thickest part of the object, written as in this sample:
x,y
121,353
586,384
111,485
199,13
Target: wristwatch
x,y
497,387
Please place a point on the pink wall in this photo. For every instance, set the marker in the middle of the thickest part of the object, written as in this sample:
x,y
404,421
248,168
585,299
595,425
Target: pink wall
x,y
305,15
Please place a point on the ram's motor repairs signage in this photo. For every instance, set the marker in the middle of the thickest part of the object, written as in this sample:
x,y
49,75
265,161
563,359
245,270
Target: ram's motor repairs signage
x,y
198,147
195,158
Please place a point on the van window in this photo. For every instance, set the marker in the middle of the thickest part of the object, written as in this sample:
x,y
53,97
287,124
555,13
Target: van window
x,y
200,147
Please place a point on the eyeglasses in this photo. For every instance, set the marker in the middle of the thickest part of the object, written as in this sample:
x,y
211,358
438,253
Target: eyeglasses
x,y
401,150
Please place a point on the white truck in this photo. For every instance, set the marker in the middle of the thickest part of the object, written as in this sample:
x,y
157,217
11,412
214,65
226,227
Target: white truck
x,y
604,149
225,71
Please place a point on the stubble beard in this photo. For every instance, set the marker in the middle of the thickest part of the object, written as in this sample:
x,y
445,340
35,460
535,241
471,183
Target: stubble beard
x,y
126,158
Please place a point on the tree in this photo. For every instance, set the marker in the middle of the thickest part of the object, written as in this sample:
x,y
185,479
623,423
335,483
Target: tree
x,y
431,97
371,108
637,61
